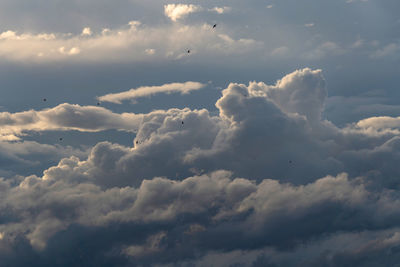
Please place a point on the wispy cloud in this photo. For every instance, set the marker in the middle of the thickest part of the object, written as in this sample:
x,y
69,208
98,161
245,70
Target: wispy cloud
x,y
386,51
183,88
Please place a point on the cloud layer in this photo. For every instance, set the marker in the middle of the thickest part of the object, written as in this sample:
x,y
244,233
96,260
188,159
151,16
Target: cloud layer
x,y
133,42
238,174
267,179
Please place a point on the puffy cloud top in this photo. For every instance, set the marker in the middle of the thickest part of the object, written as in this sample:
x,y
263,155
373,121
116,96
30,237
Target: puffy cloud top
x,y
179,11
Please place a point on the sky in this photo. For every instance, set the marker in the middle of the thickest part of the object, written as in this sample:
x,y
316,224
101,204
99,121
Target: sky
x,y
199,133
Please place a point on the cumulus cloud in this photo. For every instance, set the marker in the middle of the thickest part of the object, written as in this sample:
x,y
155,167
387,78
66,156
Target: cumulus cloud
x,y
266,178
183,88
179,11
86,31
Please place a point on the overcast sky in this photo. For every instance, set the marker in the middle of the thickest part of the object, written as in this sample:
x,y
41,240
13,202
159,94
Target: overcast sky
x,y
199,133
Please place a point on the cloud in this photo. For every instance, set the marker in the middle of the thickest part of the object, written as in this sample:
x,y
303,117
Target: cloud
x,y
178,11
86,31
221,10
11,35
266,178
240,133
150,51
29,157
66,117
183,88
236,214
378,125
72,51
280,51
325,49
132,42
386,51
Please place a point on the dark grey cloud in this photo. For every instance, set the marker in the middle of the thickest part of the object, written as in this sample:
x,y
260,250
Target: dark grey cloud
x,y
165,221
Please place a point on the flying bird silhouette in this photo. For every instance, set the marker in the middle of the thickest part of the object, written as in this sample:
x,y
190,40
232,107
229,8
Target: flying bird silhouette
x,y
44,99
214,26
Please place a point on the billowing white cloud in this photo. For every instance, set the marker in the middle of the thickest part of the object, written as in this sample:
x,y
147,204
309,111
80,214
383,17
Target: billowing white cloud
x,y
183,88
179,11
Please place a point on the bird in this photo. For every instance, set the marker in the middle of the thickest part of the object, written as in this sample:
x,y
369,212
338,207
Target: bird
x,y
188,51
182,122
214,26
137,142
44,99
61,139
